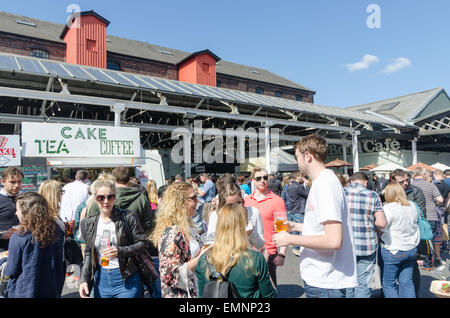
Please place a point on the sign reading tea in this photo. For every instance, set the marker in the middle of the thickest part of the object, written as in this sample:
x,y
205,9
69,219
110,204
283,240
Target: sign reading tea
x,y
66,140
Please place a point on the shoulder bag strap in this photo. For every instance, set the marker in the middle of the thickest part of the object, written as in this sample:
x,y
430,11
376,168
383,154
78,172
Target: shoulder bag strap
x,y
419,211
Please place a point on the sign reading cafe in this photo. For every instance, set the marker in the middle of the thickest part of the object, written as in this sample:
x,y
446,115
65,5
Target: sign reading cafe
x,y
66,140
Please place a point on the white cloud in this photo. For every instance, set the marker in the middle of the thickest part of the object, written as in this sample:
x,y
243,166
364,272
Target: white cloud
x,y
398,64
366,61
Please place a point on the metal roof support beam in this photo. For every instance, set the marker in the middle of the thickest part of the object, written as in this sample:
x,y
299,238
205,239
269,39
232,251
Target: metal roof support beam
x,y
16,92
44,102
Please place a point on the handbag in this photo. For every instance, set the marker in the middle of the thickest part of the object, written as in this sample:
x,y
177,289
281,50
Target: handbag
x,y
143,261
425,248
426,233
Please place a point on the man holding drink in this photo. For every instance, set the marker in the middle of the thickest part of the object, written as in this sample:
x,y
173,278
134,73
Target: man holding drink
x,y
327,259
267,203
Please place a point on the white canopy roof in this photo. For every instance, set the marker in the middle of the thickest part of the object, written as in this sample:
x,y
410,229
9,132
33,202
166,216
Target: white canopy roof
x,y
389,167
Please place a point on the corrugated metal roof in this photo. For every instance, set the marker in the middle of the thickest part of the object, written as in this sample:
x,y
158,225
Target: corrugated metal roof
x,y
51,31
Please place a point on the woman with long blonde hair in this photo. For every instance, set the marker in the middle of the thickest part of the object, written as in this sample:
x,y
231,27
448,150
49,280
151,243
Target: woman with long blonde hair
x,y
152,191
400,239
232,256
51,190
178,242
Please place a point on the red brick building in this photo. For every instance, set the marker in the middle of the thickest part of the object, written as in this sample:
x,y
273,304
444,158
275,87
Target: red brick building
x,y
90,45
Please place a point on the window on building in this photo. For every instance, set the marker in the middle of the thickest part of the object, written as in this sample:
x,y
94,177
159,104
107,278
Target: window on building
x,y
298,98
259,90
110,65
205,68
278,94
39,53
219,83
91,45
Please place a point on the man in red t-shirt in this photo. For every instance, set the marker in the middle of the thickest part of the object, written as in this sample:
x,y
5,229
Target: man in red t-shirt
x,y
267,203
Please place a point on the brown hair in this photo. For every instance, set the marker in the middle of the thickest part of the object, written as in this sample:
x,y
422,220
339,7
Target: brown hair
x,y
11,171
394,193
36,218
121,175
228,189
315,145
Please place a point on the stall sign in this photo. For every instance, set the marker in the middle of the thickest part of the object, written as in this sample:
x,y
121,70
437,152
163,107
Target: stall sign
x,y
66,140
9,150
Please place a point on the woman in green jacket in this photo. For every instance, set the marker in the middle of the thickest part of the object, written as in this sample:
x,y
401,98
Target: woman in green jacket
x,y
231,252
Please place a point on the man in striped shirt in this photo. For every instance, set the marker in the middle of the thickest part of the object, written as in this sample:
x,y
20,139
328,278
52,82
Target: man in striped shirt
x,y
433,198
367,214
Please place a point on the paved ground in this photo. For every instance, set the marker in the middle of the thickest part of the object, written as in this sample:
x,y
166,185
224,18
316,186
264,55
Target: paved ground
x,y
290,284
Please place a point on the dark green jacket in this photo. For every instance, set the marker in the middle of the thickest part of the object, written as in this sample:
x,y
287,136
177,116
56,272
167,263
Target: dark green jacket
x,y
251,283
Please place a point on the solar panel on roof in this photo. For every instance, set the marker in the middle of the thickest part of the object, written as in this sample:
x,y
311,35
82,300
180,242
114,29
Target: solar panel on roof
x,y
157,83
78,72
55,69
179,88
7,63
140,81
121,80
31,66
99,76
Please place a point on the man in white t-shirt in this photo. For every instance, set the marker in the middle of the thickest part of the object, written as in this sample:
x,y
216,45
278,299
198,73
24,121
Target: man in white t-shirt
x,y
327,257
74,193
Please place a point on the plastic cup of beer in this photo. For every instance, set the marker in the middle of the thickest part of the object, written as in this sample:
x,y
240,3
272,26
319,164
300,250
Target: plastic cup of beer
x,y
280,219
104,261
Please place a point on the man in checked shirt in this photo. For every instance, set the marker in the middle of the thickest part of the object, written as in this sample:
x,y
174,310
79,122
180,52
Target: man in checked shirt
x,y
367,215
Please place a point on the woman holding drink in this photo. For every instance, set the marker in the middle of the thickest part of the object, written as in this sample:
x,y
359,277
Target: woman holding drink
x,y
179,244
108,263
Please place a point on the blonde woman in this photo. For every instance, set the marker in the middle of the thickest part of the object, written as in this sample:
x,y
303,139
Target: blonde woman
x,y
178,242
152,191
232,257
400,239
51,190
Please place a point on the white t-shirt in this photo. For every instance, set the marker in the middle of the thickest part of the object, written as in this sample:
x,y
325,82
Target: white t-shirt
x,y
402,230
330,269
256,238
74,193
106,235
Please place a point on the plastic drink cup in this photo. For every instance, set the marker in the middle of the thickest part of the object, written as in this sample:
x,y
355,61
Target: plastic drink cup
x,y
104,261
280,219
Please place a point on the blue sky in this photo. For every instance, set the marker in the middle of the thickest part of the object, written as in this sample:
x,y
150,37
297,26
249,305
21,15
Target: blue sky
x,y
325,45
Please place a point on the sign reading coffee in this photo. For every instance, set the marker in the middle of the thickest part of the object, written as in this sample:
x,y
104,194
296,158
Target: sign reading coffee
x,y
368,146
65,140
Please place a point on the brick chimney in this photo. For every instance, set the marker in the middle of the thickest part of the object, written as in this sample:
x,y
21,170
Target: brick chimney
x,y
86,39
199,68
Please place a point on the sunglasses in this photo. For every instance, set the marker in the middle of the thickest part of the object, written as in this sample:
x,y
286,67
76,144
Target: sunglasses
x,y
266,177
109,197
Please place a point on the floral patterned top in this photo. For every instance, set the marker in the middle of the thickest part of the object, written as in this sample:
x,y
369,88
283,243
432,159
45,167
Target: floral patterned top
x,y
177,280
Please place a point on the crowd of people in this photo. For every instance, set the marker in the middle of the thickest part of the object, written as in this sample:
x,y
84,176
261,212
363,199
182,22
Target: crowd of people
x,y
340,227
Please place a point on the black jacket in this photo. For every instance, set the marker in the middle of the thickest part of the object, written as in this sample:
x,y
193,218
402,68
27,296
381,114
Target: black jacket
x,y
126,250
298,195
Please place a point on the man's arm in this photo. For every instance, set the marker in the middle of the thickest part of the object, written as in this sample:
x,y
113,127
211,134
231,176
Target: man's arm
x,y
331,240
